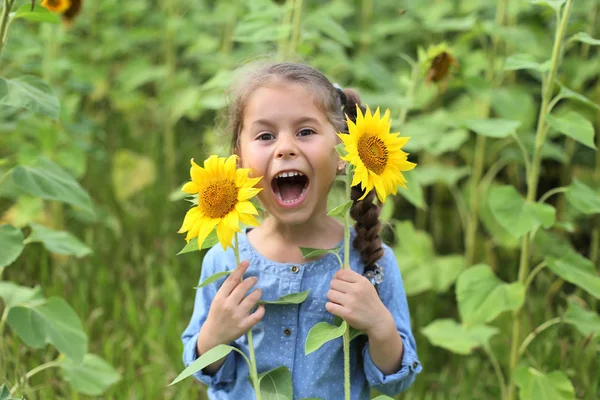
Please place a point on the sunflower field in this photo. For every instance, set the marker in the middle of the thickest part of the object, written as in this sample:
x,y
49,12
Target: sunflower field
x,y
497,235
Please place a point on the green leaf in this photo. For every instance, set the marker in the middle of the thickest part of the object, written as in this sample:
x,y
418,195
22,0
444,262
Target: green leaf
x,y
555,4
584,37
294,298
341,210
573,125
437,173
59,242
341,150
308,252
48,181
459,339
586,322
516,215
212,355
213,278
448,142
322,333
482,296
30,93
38,14
578,270
567,93
92,377
535,385
413,192
41,321
524,61
14,295
383,397
11,243
5,394
276,384
493,127
582,197
131,173
209,242
354,333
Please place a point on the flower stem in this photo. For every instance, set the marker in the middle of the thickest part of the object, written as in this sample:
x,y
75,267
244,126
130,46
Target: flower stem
x,y
497,371
4,22
40,368
532,181
536,332
296,28
252,364
346,337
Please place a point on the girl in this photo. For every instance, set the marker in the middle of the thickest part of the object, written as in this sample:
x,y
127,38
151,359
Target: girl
x,y
284,118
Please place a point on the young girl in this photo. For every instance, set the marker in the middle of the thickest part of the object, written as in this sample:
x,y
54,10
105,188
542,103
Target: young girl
x,y
284,118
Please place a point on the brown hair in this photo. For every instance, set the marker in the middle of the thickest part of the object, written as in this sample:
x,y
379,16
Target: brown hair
x,y
333,103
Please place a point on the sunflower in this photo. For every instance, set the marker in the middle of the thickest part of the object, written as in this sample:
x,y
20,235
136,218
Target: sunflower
x,y
436,63
376,154
56,6
223,194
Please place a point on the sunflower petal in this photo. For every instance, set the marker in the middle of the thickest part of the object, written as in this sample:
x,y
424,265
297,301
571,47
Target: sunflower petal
x,y
205,229
224,234
247,193
245,207
248,219
191,188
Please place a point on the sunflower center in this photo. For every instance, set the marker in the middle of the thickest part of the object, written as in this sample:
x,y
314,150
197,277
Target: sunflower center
x,y
218,199
373,153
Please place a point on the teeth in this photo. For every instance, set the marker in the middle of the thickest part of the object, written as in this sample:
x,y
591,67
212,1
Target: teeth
x,y
289,174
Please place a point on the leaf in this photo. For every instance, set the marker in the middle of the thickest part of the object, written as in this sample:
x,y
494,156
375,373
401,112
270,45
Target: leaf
x,y
582,197
567,93
482,296
448,142
48,181
585,37
434,173
516,215
92,377
212,355
493,127
354,333
383,397
308,252
276,384
578,270
555,4
209,242
213,278
535,385
573,125
413,191
59,242
38,14
30,93
38,322
524,61
131,173
293,298
341,150
587,322
341,210
14,295
459,339
322,333
11,243
5,394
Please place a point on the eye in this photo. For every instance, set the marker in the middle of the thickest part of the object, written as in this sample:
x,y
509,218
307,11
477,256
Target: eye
x,y
306,132
265,136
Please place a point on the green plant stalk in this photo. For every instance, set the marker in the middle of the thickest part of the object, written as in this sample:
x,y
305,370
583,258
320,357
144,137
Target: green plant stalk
x,y
5,22
296,28
170,61
366,11
282,46
536,332
229,31
479,157
252,364
497,371
410,93
533,181
595,240
346,337
40,368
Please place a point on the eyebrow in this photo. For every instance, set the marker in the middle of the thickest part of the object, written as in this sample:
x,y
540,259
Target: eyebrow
x,y
304,120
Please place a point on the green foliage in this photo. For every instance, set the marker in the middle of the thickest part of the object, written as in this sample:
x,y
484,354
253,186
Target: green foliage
x,y
11,241
276,384
537,385
458,338
92,376
322,333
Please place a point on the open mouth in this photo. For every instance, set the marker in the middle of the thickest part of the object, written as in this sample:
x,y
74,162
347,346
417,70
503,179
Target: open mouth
x,y
290,187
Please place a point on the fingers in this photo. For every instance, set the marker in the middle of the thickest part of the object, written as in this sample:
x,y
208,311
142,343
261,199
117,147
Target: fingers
x,y
250,301
240,291
340,285
347,275
234,279
254,318
335,297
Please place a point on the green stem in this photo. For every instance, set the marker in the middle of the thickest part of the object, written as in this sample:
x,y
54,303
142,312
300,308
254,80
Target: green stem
x,y
346,337
170,63
282,48
410,93
252,363
536,332
533,181
296,28
497,371
366,11
5,22
533,273
552,192
3,320
40,368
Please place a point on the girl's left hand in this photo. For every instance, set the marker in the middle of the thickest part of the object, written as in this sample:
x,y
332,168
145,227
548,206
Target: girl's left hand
x,y
353,298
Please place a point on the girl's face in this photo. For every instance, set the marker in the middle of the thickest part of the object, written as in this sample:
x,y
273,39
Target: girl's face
x,y
291,143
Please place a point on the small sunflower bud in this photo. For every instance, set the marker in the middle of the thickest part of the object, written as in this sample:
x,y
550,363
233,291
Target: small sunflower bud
x,y
436,63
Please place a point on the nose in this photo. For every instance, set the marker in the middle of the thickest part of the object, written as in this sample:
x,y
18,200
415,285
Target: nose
x,y
286,147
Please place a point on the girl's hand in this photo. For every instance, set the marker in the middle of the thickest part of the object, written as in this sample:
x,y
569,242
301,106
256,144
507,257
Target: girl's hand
x,y
353,298
229,315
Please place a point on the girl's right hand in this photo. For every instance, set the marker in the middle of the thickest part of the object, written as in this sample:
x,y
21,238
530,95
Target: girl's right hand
x,y
229,315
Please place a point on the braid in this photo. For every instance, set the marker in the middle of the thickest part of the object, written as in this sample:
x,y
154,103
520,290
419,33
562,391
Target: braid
x,y
365,212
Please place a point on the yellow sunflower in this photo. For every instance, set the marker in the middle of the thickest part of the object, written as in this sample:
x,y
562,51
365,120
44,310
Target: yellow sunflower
x,y
56,6
376,154
223,194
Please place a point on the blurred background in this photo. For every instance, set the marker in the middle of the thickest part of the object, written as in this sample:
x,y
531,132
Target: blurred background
x,y
142,87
